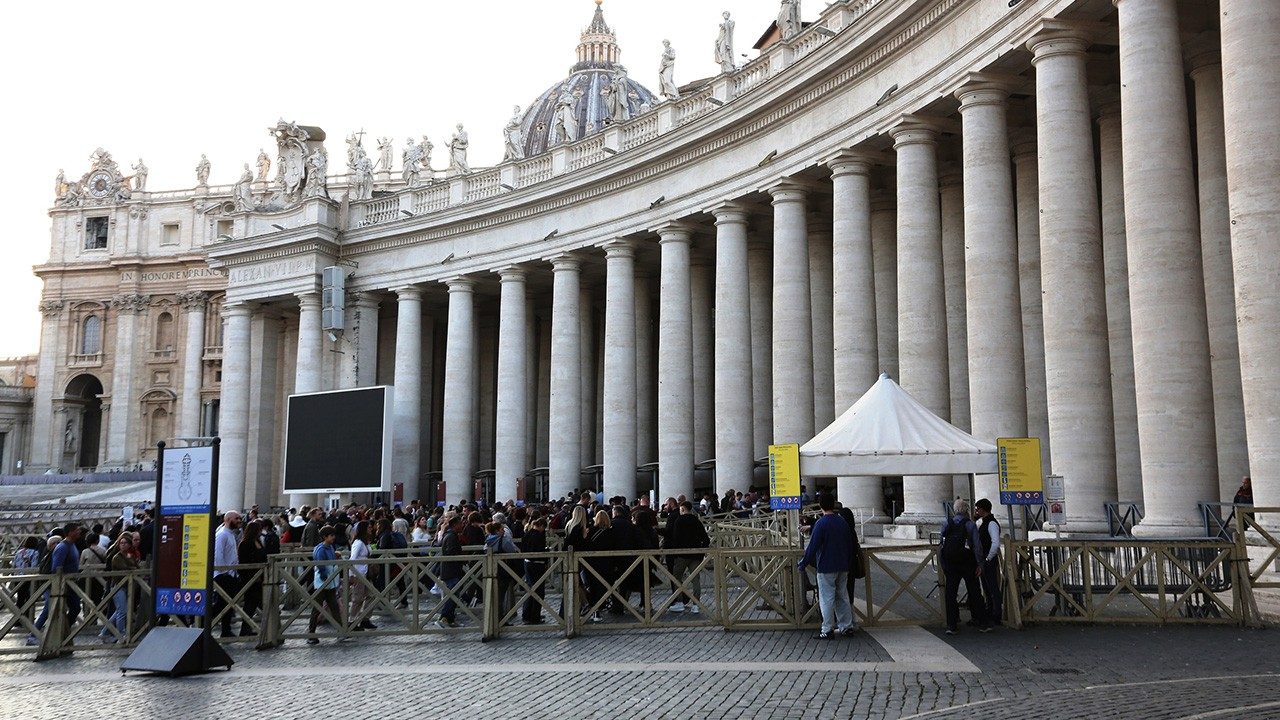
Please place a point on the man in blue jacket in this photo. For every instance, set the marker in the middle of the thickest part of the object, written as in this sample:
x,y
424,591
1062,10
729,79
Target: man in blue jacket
x,y
830,547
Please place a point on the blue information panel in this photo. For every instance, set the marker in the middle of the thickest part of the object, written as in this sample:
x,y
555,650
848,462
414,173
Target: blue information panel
x,y
176,601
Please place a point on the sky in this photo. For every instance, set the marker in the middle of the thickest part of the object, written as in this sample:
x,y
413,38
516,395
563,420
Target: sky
x,y
167,81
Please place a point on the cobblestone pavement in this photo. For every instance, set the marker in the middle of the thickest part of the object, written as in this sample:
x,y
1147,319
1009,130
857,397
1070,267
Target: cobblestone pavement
x,y
1051,672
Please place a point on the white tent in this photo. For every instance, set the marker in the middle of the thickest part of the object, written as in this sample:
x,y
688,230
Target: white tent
x,y
887,432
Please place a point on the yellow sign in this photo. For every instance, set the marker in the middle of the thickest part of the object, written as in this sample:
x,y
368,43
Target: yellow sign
x,y
784,477
1021,479
195,551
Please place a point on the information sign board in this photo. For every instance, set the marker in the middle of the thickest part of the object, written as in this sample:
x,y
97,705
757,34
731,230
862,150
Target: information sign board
x,y
1021,480
784,477
183,525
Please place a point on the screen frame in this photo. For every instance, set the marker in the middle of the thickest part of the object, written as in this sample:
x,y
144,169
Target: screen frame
x,y
388,403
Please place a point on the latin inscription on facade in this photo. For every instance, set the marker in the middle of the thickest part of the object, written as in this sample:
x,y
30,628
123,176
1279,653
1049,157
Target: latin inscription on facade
x,y
161,275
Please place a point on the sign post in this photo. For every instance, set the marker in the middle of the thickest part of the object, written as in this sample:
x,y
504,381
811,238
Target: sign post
x,y
1021,478
182,563
1055,496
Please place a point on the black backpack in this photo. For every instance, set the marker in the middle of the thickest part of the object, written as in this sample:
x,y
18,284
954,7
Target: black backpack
x,y
956,547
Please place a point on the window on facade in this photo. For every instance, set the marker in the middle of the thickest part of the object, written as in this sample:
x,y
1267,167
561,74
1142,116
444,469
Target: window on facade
x,y
95,233
91,336
170,236
164,331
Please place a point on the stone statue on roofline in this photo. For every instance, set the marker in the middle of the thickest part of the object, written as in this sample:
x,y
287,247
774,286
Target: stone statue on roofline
x,y
724,45
616,100
139,176
565,121
411,158
458,145
514,138
202,171
386,153
667,72
425,148
317,174
789,19
363,182
264,165
242,194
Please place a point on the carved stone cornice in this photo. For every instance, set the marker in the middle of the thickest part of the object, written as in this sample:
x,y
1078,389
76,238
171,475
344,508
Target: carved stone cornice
x,y
51,308
130,303
196,299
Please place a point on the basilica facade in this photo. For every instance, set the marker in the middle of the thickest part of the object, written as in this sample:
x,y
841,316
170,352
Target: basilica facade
x,y
1046,218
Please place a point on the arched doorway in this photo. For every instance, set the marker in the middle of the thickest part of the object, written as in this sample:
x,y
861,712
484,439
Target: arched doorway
x,y
83,426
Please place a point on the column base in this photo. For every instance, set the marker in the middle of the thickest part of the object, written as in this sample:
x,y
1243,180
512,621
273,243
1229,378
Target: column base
x,y
1169,528
934,519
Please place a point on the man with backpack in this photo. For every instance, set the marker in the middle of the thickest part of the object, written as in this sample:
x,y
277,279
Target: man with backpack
x,y
960,551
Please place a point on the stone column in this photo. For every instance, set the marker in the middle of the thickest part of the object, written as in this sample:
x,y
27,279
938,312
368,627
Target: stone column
x,y
951,206
1172,379
792,336
1115,259
1077,362
510,461
884,258
733,417
646,393
194,304
122,444
760,280
702,295
459,425
1251,98
620,371
406,443
587,378
265,336
43,445
922,305
821,290
1027,191
364,314
1219,277
856,362
993,304
566,383
675,364
233,411
310,344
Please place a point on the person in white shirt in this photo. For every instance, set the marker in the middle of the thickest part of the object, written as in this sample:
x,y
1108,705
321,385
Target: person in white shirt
x,y
358,579
225,558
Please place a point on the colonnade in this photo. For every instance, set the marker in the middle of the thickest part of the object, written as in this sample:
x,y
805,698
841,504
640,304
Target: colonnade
x,y
1124,310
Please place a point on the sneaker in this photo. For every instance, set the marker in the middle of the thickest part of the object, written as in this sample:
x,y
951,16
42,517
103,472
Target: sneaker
x,y
366,625
693,609
951,631
984,628
32,640
313,641
445,624
825,635
677,607
435,590
595,618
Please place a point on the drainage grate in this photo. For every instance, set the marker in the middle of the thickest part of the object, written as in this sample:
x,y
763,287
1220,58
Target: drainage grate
x,y
1057,671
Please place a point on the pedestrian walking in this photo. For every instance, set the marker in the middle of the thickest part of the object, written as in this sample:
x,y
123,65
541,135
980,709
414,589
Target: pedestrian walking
x,y
358,586
123,557
686,532
251,551
63,560
450,572
225,576
829,550
989,536
326,582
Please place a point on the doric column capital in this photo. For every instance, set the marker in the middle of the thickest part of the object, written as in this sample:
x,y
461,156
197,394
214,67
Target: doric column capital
x,y
1023,151
675,231
408,292
619,248
851,162
511,273
1204,55
130,303
786,190
1106,103
238,308
884,200
980,91
193,300
308,300
914,130
731,213
949,176
460,285
565,262
1060,37
365,299
51,308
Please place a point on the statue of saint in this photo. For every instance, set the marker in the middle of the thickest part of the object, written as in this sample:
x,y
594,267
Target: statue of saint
x,y
242,194
363,183
60,185
355,149
616,99
458,152
424,154
264,165
789,19
69,437
139,176
667,72
386,153
202,171
411,157
514,138
724,45
565,121
317,174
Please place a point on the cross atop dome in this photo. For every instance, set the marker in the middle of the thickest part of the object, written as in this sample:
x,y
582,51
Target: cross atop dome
x,y
599,45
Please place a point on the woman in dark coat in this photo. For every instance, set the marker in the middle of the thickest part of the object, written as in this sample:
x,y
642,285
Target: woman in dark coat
x,y
251,552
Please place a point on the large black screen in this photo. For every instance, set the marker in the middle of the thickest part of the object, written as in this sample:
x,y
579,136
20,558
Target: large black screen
x,y
338,441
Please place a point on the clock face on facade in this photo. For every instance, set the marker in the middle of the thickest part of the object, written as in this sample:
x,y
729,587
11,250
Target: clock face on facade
x,y
99,184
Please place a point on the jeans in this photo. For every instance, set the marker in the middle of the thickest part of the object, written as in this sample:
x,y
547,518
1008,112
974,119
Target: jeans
x,y
328,598
447,607
122,609
833,599
955,574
